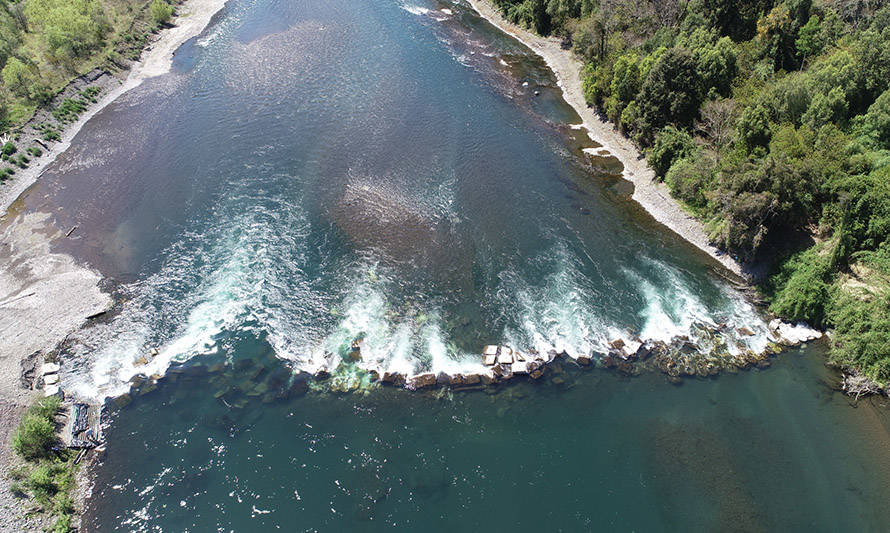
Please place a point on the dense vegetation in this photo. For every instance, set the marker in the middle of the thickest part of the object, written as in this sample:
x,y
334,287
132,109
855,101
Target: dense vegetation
x,y
46,43
768,119
48,473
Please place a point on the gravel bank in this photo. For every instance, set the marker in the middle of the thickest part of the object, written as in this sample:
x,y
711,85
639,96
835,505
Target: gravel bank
x,y
45,295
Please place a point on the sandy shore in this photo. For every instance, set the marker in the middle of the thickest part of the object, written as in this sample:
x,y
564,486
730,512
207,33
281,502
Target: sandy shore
x,y
652,195
44,296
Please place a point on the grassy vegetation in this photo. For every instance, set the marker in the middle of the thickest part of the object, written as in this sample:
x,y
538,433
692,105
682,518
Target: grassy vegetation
x,y
47,475
46,43
769,119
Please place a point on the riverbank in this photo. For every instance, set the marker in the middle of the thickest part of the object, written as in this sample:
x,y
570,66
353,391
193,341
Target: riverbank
x,y
651,194
193,16
46,295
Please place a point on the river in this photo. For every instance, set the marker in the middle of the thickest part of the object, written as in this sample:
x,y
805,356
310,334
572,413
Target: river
x,y
397,172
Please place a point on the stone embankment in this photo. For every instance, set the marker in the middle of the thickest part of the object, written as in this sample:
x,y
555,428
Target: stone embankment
x,y
268,380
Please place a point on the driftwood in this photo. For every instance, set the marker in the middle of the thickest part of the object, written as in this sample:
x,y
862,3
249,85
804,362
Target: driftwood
x,y
857,385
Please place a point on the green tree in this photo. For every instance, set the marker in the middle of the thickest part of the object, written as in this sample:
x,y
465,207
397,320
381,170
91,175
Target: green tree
x,y
875,125
161,11
670,145
826,108
624,86
810,38
691,178
17,76
670,94
753,128
70,28
716,67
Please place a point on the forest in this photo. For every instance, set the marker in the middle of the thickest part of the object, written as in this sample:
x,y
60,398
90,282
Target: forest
x,y
769,121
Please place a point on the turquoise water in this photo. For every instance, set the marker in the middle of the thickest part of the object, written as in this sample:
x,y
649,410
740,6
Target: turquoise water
x,y
312,173
761,450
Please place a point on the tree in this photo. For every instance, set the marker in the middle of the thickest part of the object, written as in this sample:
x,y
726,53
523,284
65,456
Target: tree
x,y
161,11
875,125
691,177
826,108
670,145
17,76
753,128
716,67
624,86
670,94
810,39
717,124
69,28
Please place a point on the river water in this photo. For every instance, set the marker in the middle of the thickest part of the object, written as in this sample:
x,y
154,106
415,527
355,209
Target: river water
x,y
312,173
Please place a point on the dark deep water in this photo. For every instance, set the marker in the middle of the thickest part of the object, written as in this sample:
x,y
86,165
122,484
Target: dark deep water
x,y
312,172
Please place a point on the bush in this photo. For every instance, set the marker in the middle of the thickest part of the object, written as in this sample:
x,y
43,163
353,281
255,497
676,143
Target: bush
x,y
34,437
670,145
862,333
804,292
9,149
62,524
42,483
161,11
36,433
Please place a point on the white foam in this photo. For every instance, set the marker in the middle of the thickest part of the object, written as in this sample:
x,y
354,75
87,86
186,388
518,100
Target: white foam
x,y
414,9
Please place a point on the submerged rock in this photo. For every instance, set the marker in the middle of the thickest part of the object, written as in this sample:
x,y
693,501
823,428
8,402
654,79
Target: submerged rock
x,y
745,331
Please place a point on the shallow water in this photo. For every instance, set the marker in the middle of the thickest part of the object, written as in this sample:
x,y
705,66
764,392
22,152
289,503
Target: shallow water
x,y
312,173
319,172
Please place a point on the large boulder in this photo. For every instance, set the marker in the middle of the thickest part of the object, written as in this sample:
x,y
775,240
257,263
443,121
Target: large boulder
x,y
422,381
487,379
393,378
49,368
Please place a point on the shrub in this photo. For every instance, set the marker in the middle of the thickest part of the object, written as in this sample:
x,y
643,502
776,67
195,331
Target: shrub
x,y
670,145
34,437
9,149
862,334
804,292
161,11
36,433
62,524
42,483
